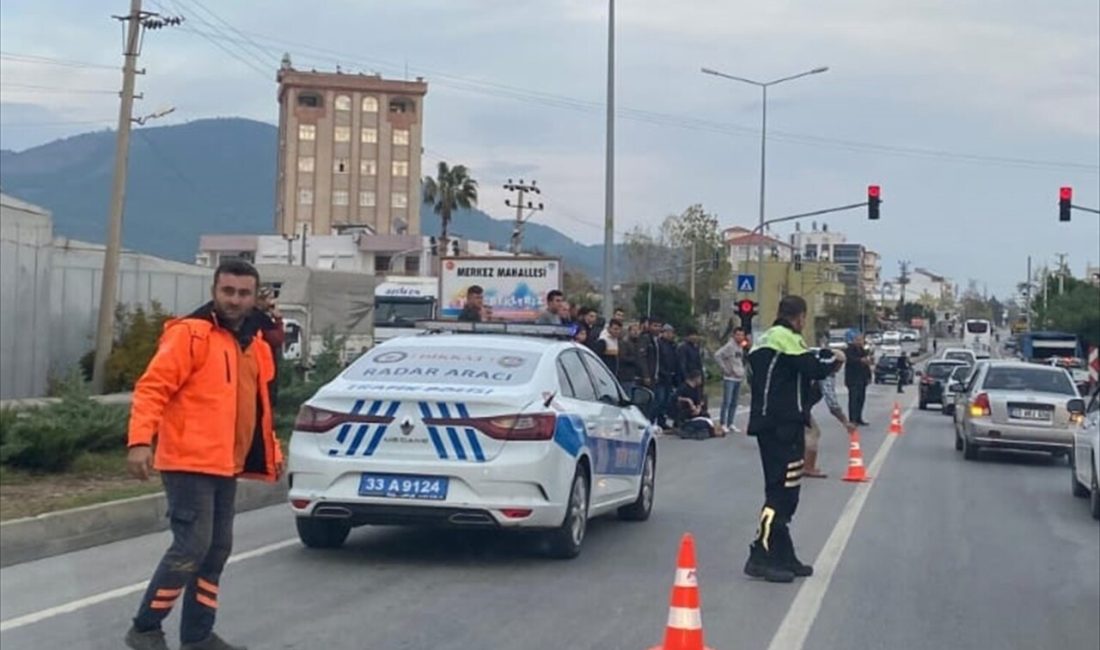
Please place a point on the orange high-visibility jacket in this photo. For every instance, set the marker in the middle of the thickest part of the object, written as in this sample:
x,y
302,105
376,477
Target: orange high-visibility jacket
x,y
187,401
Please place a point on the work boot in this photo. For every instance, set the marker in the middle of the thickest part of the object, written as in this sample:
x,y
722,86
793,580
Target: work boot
x,y
762,564
212,642
784,549
151,640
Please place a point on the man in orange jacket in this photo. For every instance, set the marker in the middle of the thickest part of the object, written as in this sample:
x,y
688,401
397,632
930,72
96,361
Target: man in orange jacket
x,y
204,404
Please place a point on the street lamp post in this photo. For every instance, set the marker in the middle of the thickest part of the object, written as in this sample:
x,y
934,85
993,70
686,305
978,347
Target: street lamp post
x,y
763,86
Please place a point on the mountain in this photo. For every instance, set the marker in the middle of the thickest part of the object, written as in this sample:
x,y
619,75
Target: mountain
x,y
204,177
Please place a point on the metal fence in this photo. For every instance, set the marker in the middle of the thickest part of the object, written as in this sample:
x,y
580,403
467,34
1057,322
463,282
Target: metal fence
x,y
25,262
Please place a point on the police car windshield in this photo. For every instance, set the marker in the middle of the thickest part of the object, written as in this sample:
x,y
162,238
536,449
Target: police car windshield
x,y
432,365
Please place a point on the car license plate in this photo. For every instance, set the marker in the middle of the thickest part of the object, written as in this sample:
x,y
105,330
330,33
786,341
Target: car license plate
x,y
1030,414
403,486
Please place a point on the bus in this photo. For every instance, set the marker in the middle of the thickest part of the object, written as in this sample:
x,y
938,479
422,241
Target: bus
x,y
978,336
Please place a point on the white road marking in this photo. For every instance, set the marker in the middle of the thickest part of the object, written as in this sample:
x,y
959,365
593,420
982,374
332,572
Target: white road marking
x,y
137,587
796,625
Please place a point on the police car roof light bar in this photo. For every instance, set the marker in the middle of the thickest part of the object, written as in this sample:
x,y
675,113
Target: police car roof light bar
x,y
506,328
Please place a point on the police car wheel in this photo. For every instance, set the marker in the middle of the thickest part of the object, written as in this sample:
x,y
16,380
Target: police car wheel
x,y
322,533
640,509
566,540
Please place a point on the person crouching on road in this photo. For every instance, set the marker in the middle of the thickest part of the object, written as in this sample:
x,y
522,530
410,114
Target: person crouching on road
x,y
692,419
826,388
204,403
781,367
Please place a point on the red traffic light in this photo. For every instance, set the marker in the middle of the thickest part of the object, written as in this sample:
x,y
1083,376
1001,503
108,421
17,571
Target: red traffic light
x,y
1065,194
745,307
873,191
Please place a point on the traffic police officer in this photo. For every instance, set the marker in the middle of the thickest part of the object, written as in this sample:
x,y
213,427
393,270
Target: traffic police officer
x,y
782,369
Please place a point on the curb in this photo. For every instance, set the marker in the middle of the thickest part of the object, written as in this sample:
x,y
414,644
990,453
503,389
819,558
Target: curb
x,y
65,531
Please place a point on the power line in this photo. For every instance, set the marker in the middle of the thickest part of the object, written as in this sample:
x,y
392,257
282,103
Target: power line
x,y
666,119
213,40
263,63
29,125
46,60
253,43
56,89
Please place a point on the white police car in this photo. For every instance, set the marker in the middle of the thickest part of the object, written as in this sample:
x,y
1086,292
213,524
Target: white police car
x,y
482,425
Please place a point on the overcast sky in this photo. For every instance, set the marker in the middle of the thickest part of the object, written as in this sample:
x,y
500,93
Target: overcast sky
x,y
969,113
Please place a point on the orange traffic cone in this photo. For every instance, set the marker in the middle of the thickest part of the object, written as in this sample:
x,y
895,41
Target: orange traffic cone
x,y
857,473
895,420
685,620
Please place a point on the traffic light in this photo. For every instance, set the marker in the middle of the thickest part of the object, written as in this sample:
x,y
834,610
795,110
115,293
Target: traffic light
x,y
874,198
746,309
434,246
1065,202
797,261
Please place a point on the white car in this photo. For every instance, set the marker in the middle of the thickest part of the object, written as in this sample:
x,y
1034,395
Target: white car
x,y
960,354
891,338
1086,456
472,430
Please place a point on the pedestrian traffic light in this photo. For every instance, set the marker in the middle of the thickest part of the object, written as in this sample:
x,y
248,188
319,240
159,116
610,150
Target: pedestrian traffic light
x,y
1065,203
874,198
746,309
434,246
797,262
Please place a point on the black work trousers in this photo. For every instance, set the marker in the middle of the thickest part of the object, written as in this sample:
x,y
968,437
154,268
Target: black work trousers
x,y
201,510
782,450
857,397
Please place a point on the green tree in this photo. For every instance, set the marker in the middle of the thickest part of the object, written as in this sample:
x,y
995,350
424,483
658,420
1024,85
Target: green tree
x,y
1077,310
697,229
451,189
669,302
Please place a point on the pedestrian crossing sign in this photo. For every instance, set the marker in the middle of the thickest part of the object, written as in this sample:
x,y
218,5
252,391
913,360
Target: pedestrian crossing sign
x,y
746,283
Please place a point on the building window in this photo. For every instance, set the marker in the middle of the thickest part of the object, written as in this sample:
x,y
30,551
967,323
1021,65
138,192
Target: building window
x,y
310,100
305,163
401,136
412,265
370,104
401,106
340,165
342,134
368,167
307,131
305,197
366,199
382,263
399,200
343,103
340,197
400,168
368,135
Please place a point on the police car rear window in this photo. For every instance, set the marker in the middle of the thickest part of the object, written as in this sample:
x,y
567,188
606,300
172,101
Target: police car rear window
x,y
432,366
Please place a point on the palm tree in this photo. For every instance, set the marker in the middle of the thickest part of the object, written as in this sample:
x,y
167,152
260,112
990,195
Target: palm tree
x,y
452,188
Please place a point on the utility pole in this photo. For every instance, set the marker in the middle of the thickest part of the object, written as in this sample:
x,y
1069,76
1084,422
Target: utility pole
x,y
135,21
903,280
691,280
1062,273
523,189
609,171
1027,295
305,235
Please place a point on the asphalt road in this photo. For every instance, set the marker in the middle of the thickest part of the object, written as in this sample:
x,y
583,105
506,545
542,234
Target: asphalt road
x,y
934,552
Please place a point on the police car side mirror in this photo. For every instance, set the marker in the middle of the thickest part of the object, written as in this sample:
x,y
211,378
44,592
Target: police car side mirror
x,y
956,387
641,396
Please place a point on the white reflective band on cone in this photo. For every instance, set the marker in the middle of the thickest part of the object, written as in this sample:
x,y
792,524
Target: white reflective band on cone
x,y
685,619
686,578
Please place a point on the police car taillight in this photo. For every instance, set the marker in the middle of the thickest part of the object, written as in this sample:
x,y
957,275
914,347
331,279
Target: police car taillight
x,y
538,426
315,420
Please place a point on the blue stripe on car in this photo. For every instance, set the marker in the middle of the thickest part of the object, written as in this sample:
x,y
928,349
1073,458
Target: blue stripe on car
x,y
362,431
462,412
569,434
433,433
471,436
460,452
375,439
444,412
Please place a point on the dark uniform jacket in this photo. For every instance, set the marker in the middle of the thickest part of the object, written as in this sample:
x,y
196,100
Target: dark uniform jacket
x,y
782,372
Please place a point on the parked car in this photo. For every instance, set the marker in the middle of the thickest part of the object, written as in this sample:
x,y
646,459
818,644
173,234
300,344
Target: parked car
x,y
1020,406
1086,456
933,381
957,379
886,370
891,338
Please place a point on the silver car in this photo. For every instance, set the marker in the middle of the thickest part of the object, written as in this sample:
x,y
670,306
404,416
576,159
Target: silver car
x,y
1015,405
1086,456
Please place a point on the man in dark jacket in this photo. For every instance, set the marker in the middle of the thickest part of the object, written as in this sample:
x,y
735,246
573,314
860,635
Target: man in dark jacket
x,y
857,374
475,301
690,354
782,372
668,375
648,360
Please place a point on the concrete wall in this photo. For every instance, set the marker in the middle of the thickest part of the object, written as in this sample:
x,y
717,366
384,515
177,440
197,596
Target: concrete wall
x,y
25,253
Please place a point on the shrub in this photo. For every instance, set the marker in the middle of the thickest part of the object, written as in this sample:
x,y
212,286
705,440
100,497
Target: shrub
x,y
138,332
50,438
